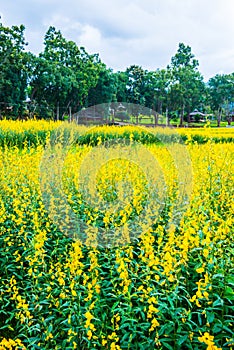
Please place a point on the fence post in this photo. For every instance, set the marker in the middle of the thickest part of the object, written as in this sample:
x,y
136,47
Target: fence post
x,y
57,112
70,116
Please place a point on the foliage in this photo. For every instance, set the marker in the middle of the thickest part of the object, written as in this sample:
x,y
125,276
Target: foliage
x,y
13,72
104,90
187,87
157,90
221,88
64,73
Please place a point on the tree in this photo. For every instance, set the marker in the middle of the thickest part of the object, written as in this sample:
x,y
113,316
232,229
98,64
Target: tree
x,y
13,73
121,86
136,84
105,89
221,92
64,74
187,87
156,94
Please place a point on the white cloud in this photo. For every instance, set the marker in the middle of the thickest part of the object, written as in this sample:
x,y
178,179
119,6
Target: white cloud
x,y
91,37
134,32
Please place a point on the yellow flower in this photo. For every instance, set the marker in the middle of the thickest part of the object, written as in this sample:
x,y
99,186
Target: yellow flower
x,y
89,334
200,270
88,316
208,340
104,342
74,294
154,324
205,252
49,336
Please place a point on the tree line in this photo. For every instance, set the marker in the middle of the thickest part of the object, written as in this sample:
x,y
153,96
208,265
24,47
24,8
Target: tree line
x,y
65,78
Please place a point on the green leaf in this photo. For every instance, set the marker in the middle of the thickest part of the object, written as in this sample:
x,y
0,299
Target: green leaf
x,y
229,293
210,317
182,339
164,341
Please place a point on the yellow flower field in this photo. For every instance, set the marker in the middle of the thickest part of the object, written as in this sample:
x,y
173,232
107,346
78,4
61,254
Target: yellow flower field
x,y
107,244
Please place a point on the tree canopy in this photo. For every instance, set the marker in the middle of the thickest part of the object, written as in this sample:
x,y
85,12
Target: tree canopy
x,y
13,72
64,78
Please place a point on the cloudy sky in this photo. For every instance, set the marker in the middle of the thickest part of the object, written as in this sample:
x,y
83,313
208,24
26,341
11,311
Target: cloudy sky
x,y
126,32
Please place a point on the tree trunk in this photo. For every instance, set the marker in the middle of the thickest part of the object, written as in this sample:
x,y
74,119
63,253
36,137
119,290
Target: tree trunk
x,y
182,116
70,115
189,119
219,117
156,118
57,112
167,117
